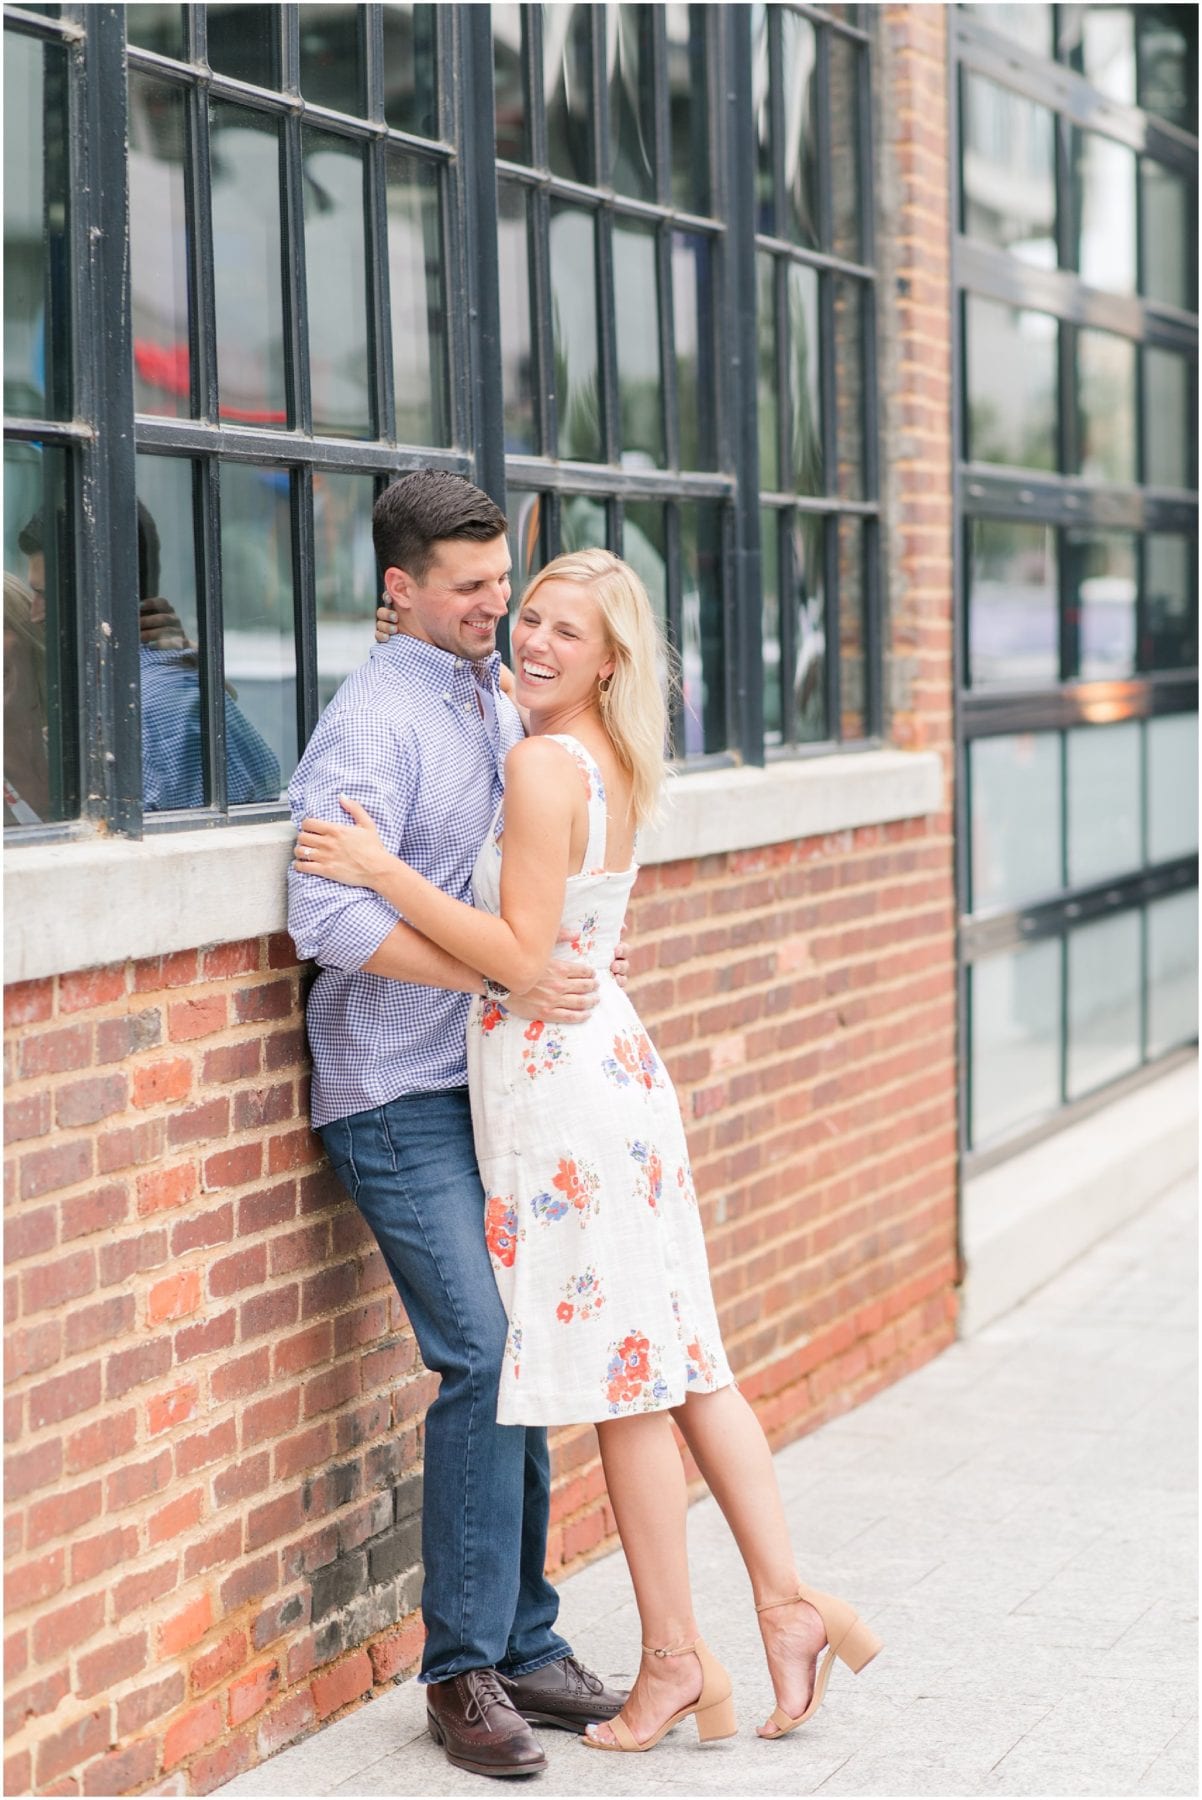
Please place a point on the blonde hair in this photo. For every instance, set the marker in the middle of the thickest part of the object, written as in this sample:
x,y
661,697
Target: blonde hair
x,y
632,698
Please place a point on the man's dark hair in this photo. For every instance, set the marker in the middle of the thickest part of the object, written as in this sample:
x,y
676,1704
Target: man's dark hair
x,y
424,509
31,539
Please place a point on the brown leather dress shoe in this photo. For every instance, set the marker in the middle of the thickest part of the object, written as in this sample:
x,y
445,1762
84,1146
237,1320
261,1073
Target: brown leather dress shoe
x,y
478,1726
563,1693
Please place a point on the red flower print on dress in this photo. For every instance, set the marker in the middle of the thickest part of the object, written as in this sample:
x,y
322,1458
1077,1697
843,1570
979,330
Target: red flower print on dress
x,y
564,1312
651,1184
583,1297
576,1182
547,1048
492,1014
635,1061
631,1382
501,1229
585,940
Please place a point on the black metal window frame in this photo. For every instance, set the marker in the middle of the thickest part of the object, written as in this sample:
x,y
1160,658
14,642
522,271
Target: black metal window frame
x,y
105,435
1062,502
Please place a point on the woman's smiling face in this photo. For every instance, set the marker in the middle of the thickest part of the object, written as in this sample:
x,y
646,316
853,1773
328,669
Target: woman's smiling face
x,y
560,650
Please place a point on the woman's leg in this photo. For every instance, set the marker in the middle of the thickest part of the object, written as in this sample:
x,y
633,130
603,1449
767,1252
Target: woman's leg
x,y
731,1451
646,1482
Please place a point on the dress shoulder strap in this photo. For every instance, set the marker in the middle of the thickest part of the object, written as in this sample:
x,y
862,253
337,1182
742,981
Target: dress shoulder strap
x,y
594,788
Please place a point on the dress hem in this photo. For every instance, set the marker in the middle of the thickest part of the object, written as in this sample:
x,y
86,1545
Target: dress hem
x,y
551,1412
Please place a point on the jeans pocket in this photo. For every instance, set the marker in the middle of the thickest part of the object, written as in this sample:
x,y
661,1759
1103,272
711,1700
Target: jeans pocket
x,y
339,1147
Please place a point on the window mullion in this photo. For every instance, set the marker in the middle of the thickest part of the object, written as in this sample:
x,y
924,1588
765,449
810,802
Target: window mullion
x,y
292,247
479,195
376,218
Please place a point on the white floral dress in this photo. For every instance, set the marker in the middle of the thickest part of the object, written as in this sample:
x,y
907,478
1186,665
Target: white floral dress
x,y
591,1217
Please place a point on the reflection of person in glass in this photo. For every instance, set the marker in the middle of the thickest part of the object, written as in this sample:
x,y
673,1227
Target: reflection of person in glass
x,y
26,762
172,754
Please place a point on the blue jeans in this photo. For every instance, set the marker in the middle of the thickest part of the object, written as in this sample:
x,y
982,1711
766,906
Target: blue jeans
x,y
411,1169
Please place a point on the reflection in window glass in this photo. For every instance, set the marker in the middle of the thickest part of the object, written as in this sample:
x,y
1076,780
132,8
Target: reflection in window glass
x,y
517,366
849,389
805,376
629,77
688,121
1101,602
1012,606
773,649
411,69
1106,406
1008,171
1102,790
1014,807
567,80
702,650
257,602
1172,972
761,100
39,709
1170,608
416,300
1172,747
1029,25
1011,358
574,332
1104,183
244,41
1168,385
527,540
158,28
799,53
582,523
1168,80
1169,213
807,614
853,697
509,86
245,158
1099,42
36,259
644,547
158,246
336,275
640,375
693,314
331,58
767,385
1015,1011
344,573
1103,1002
847,212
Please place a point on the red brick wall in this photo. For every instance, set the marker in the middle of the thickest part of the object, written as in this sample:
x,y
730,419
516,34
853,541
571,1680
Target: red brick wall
x,y
213,1409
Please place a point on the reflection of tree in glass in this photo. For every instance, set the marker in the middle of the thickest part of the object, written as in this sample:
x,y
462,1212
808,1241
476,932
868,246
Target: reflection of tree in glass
x,y
579,402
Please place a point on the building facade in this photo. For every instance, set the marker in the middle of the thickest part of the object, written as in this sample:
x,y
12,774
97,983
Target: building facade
x,y
761,297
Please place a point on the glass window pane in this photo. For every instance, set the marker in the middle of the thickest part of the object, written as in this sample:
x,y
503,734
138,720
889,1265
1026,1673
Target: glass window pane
x,y
1099,42
629,77
509,85
1169,214
761,100
693,332
805,378
1014,804
1172,972
767,384
847,211
1008,172
36,238
344,573
331,58
640,374
799,53
853,698
574,332
1103,1002
773,650
1168,78
1170,603
416,300
158,28
39,709
411,69
257,603
244,41
1101,602
567,84
807,617
1029,25
688,114
158,246
644,547
1013,630
582,523
247,281
1106,406
702,648
1168,423
1011,361
1015,1040
336,277
1103,787
517,362
1172,744
1104,186
527,539
849,389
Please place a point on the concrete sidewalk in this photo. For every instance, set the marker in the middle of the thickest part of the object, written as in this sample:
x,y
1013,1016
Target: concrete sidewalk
x,y
1018,1520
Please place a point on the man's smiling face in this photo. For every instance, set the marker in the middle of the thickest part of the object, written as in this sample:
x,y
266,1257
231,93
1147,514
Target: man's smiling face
x,y
461,598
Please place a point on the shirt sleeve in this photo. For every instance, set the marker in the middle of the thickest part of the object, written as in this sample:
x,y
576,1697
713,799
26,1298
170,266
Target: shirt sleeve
x,y
356,753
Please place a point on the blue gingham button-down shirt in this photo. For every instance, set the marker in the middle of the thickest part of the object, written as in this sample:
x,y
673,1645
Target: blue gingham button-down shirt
x,y
419,740
172,758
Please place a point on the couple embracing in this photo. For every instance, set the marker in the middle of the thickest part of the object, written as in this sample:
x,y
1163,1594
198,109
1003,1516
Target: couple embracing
x,y
488,1096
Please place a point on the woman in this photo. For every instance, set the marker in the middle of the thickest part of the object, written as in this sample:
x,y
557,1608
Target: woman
x,y
591,1218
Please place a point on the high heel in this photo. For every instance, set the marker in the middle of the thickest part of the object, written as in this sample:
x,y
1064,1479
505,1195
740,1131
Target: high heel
x,y
713,1709
847,1637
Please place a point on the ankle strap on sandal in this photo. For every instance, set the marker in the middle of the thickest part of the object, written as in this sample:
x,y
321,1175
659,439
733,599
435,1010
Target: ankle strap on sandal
x,y
771,1605
672,1649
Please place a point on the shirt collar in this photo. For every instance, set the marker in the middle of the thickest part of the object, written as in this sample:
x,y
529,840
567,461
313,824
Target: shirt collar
x,y
438,669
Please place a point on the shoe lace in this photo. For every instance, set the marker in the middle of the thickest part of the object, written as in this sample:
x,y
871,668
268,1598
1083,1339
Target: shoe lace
x,y
592,1684
484,1691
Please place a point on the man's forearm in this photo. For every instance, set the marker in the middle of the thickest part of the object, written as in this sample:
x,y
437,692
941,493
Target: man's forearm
x,y
405,955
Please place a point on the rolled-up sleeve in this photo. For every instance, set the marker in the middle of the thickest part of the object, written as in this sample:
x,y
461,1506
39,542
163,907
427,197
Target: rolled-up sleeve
x,y
356,753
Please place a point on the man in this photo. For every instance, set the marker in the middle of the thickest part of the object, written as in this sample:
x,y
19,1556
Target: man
x,y
418,736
